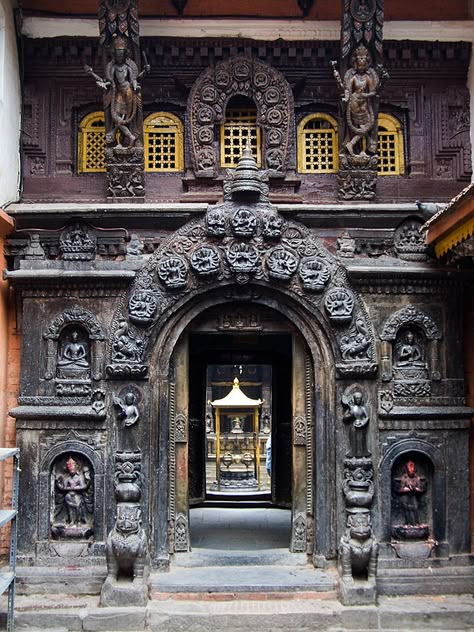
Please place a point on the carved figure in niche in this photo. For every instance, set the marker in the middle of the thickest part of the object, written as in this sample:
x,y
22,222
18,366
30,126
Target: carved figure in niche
x,y
357,416
409,487
215,222
244,222
73,500
122,99
359,88
272,225
73,356
358,549
407,351
128,410
98,405
76,243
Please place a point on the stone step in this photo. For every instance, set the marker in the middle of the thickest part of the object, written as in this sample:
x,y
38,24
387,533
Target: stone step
x,y
230,579
263,612
220,557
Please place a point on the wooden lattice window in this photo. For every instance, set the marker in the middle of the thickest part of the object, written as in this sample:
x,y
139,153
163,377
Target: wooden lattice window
x,y
239,130
163,141
317,144
91,143
390,146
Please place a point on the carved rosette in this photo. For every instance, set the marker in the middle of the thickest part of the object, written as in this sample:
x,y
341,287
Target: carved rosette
x,y
205,261
173,271
314,275
142,307
339,304
272,96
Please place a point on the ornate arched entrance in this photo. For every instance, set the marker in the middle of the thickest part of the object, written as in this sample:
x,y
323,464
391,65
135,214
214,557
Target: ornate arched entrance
x,y
243,252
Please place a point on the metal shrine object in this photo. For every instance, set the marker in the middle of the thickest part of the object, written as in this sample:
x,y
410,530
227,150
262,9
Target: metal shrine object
x,y
236,414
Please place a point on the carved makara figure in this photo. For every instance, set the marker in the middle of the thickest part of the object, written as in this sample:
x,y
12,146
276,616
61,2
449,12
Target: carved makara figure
x,y
359,88
122,99
358,549
356,414
128,410
127,346
73,500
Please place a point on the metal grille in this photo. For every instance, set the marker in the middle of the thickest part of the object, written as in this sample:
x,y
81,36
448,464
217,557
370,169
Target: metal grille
x,y
240,128
387,151
317,145
163,140
92,144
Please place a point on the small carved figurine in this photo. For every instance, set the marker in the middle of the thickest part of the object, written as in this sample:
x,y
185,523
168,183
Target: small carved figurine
x,y
410,486
74,354
358,548
128,410
71,487
356,414
408,351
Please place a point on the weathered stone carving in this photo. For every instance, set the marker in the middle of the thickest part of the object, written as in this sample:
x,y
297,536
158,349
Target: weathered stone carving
x,y
127,349
356,344
408,350
409,241
272,225
173,271
125,174
282,263
251,78
77,243
314,275
73,512
358,553
299,430
358,485
73,356
98,404
298,537
409,487
242,257
127,545
407,316
243,222
34,250
345,245
357,415
339,304
142,307
215,220
127,408
181,534
205,261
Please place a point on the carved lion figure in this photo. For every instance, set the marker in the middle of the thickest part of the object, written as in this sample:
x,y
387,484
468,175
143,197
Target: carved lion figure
x,y
127,549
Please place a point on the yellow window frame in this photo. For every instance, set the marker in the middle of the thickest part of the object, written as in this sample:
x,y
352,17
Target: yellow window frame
x,y
390,130
170,128
314,138
237,121
89,129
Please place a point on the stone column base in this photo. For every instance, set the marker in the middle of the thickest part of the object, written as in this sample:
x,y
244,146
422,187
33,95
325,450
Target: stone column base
x,y
357,592
124,592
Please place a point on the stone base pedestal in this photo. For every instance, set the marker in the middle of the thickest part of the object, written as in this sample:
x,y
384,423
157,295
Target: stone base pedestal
x,y
124,592
125,174
357,592
357,177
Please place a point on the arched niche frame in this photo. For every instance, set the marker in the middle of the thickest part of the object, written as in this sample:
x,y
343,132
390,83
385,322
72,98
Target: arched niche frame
x,y
234,248
410,447
272,96
404,319
45,492
86,322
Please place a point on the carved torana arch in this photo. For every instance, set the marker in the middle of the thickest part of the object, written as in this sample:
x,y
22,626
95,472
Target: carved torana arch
x,y
207,105
410,316
242,241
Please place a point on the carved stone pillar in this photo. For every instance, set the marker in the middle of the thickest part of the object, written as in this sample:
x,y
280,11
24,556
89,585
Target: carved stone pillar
x,y
119,39
360,83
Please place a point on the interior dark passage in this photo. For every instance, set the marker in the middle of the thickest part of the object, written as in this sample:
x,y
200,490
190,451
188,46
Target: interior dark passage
x,y
263,365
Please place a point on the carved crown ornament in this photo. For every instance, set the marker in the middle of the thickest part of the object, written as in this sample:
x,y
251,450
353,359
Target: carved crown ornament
x,y
207,103
243,241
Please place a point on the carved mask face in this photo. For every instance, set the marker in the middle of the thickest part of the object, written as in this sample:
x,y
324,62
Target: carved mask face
x,y
359,526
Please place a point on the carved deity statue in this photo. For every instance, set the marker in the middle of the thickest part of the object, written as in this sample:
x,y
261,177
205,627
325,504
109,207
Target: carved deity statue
x,y
409,487
128,410
357,415
408,351
74,354
72,499
122,98
359,89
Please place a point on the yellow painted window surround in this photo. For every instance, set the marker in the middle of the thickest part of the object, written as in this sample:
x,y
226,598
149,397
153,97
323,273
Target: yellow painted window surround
x,y
390,146
317,144
164,142
91,143
239,128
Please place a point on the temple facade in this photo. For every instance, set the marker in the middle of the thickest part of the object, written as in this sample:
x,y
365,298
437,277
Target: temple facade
x,y
217,287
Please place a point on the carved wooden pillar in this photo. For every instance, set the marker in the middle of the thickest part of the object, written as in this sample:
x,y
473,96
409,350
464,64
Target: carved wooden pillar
x,y
360,82
119,39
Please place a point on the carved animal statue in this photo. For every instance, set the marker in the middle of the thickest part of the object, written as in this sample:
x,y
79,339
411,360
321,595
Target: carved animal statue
x,y
358,549
127,549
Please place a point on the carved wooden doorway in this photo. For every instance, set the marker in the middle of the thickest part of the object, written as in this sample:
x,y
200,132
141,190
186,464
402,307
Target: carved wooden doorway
x,y
279,360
